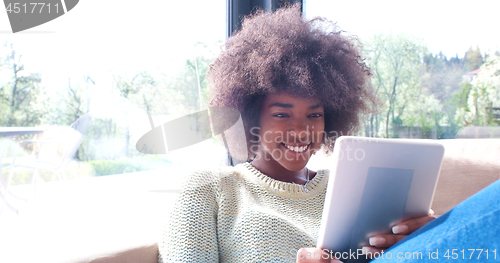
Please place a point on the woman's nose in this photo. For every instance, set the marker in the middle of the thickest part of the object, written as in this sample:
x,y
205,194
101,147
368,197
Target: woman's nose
x,y
299,131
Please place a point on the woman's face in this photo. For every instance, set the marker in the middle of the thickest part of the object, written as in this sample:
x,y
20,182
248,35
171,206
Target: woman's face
x,y
291,130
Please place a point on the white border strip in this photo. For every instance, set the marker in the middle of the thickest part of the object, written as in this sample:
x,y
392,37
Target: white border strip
x,y
64,6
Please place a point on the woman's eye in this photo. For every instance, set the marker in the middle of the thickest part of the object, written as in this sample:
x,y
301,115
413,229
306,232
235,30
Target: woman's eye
x,y
281,115
316,115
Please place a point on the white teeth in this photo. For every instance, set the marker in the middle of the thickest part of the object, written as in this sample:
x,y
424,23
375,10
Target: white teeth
x,y
296,148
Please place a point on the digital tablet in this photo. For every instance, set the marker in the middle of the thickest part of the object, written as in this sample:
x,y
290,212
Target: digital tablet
x,y
374,184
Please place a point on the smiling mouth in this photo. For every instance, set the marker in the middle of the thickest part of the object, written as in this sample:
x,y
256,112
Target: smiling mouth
x,y
297,149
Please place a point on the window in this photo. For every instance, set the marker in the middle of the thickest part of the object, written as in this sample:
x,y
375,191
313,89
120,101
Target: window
x,y
435,65
118,61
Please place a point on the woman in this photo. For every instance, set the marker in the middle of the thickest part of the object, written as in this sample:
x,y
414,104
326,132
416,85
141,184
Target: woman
x,y
298,85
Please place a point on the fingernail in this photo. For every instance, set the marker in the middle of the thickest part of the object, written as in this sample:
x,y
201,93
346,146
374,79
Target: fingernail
x,y
399,229
376,241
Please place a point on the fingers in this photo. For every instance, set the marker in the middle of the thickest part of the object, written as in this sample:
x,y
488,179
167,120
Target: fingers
x,y
385,241
401,230
407,227
315,255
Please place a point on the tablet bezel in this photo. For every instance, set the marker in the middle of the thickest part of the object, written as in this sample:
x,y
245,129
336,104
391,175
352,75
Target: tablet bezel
x,y
353,157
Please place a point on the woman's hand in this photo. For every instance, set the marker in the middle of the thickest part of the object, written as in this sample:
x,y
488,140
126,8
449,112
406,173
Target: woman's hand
x,y
400,231
315,255
377,243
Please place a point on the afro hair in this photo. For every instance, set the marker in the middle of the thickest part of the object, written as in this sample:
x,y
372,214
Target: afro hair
x,y
281,52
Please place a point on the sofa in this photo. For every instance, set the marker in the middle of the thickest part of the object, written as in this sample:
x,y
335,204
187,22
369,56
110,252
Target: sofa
x,y
119,218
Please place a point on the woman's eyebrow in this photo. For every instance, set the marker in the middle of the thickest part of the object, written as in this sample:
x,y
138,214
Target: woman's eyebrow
x,y
288,106
314,106
282,105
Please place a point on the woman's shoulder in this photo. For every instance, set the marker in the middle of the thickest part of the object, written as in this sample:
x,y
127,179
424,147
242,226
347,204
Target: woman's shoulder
x,y
210,177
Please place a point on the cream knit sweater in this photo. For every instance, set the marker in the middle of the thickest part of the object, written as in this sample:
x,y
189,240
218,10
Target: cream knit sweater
x,y
238,214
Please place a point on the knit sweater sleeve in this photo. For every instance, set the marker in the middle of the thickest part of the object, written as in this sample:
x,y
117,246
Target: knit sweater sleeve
x,y
190,234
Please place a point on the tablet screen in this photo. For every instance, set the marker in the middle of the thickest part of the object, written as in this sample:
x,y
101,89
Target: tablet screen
x,y
387,196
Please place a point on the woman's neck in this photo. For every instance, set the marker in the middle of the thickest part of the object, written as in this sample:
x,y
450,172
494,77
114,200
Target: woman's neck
x,y
278,172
